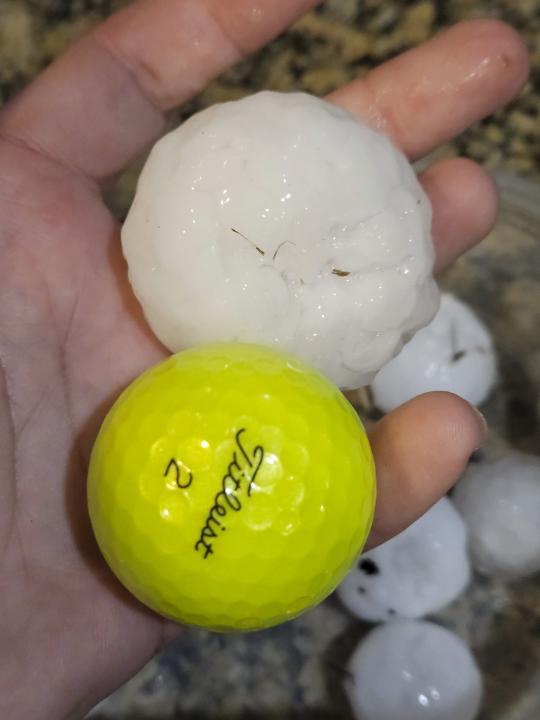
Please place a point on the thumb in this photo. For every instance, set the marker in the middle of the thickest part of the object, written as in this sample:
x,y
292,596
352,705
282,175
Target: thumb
x,y
420,451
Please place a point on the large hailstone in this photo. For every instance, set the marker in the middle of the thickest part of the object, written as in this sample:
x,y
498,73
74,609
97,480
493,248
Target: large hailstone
x,y
500,502
280,219
453,353
413,670
416,573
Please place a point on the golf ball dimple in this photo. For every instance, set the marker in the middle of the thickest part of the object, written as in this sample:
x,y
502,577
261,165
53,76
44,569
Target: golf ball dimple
x,y
410,669
286,222
231,487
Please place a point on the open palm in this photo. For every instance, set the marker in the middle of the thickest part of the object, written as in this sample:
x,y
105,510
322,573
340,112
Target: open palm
x,y
72,335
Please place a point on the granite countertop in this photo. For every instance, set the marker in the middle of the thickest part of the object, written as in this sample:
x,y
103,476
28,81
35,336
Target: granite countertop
x,y
328,47
297,670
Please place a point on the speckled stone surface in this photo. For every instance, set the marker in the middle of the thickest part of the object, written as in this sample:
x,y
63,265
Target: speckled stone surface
x,y
297,670
338,42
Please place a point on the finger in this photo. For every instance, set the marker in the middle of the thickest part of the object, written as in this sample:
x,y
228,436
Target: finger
x,y
464,199
431,93
420,450
102,103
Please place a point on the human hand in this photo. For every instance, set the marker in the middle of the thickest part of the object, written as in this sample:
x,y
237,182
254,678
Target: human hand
x,y
72,335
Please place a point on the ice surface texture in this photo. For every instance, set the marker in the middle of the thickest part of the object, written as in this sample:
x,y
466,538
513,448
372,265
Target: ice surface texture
x,y
409,670
453,353
500,501
280,219
418,572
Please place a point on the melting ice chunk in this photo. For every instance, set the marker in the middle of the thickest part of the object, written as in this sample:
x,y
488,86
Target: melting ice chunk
x,y
282,220
453,353
500,501
409,670
415,573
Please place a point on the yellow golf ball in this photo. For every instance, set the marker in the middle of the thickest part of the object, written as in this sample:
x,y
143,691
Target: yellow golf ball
x,y
231,487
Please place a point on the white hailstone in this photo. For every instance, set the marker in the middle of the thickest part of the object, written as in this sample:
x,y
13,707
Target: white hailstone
x,y
410,669
418,572
280,219
500,502
454,353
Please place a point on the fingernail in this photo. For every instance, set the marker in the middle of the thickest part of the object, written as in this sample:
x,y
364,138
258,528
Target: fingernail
x,y
483,426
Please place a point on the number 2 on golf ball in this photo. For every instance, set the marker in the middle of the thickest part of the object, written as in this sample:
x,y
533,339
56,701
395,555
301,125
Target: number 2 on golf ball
x,y
231,487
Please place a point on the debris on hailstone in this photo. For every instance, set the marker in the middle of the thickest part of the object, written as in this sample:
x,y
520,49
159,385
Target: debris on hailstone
x,y
453,353
281,219
416,573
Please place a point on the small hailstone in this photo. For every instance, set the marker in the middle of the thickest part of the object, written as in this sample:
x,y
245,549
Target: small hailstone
x,y
500,502
454,353
418,572
282,220
407,670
